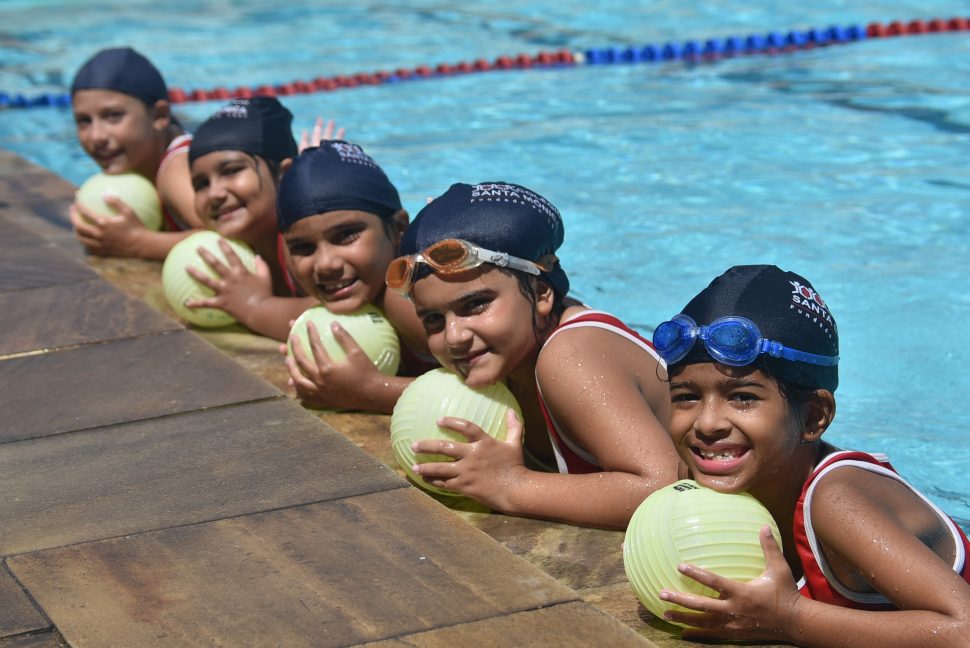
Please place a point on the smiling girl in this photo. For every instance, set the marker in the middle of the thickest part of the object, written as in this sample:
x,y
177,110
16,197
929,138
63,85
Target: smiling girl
x,y
124,123
479,263
341,221
753,369
237,159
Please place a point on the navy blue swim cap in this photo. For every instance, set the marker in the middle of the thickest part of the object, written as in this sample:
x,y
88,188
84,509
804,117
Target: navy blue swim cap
x,y
785,308
259,126
333,176
121,69
498,216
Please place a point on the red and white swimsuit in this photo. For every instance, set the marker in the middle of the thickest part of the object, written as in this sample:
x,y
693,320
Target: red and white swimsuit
x,y
570,458
819,583
178,146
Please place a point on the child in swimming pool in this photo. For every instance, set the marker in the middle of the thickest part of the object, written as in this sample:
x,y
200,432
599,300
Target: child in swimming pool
x,y
237,158
124,123
479,263
341,221
877,563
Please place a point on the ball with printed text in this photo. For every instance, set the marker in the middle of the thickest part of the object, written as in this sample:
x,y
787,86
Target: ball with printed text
x,y
368,326
688,523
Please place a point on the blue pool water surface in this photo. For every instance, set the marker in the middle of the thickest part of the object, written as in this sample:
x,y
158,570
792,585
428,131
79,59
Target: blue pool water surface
x,y
846,164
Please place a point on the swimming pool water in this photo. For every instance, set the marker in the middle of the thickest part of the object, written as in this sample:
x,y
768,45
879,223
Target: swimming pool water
x,y
847,164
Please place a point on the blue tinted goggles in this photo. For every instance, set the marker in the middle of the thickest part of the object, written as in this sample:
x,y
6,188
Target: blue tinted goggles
x,y
734,341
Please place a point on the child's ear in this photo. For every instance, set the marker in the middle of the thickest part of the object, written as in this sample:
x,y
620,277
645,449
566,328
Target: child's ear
x,y
161,114
545,298
819,411
400,221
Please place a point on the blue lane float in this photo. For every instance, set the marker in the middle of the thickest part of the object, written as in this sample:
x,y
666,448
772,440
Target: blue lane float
x,y
689,51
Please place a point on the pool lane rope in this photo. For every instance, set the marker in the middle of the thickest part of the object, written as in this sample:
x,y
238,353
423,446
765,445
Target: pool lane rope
x,y
691,51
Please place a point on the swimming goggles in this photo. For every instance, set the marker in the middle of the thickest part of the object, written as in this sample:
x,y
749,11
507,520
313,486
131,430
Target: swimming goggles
x,y
452,256
734,341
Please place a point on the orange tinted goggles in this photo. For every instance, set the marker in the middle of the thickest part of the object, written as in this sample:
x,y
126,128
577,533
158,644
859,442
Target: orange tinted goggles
x,y
452,256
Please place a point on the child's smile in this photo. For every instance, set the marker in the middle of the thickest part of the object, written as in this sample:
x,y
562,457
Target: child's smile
x,y
474,323
731,426
340,257
235,194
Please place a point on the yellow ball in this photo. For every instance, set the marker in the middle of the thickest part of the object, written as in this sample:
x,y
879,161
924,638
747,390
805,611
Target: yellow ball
x,y
438,393
180,286
131,188
368,326
686,522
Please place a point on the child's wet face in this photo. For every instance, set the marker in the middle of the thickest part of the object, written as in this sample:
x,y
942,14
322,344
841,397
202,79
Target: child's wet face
x,y
235,195
732,427
340,257
478,323
116,130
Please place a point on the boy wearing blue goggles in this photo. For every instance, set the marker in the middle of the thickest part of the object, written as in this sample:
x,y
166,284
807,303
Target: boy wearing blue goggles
x,y
749,407
730,340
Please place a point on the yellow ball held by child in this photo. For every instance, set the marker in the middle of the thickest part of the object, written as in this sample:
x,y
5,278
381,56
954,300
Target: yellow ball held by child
x,y
438,393
180,286
131,188
688,523
368,326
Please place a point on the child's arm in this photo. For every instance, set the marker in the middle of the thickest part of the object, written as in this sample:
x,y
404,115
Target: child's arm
x,y
867,530
353,383
247,296
591,381
121,235
174,183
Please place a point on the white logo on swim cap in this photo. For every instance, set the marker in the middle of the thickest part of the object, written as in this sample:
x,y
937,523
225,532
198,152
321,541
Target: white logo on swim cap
x,y
501,192
353,154
812,306
236,109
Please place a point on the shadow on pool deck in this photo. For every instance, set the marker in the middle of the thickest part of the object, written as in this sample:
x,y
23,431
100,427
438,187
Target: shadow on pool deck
x,y
154,492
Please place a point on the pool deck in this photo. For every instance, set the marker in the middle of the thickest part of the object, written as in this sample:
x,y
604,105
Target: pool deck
x,y
160,487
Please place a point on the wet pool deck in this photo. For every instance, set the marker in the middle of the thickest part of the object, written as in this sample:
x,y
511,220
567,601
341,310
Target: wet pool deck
x,y
159,487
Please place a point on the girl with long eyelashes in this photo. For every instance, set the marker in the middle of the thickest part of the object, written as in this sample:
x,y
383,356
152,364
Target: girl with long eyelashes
x,y
479,264
867,560
124,123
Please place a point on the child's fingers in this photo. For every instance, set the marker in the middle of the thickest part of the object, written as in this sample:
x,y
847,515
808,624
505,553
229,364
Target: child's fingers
x,y
694,619
690,601
774,558
515,429
212,261
436,470
231,257
84,223
717,583
464,427
298,379
122,210
203,278
346,340
208,302
320,355
340,134
451,449
262,268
